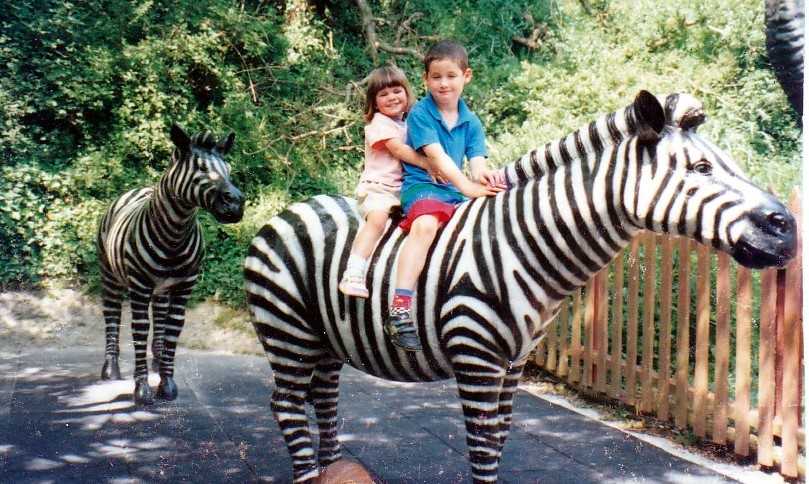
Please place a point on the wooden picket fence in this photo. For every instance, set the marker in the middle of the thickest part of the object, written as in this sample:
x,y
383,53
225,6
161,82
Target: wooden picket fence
x,y
697,369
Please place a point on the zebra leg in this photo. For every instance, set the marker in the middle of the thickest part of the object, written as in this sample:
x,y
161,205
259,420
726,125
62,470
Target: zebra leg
x,y
160,308
139,300
172,327
112,296
479,389
324,393
292,376
504,409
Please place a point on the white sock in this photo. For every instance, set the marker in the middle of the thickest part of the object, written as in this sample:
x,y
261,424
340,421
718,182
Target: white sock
x,y
356,265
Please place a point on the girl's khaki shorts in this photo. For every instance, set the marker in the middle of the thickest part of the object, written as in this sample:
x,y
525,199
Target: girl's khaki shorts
x,y
376,196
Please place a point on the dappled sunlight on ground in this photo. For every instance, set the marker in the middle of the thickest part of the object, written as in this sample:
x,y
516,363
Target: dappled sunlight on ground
x,y
60,423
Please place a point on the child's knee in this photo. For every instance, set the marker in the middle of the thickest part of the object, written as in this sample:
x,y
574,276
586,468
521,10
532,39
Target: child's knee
x,y
377,220
425,226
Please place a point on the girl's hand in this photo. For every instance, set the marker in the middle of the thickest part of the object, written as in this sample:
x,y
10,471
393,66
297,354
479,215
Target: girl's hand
x,y
436,176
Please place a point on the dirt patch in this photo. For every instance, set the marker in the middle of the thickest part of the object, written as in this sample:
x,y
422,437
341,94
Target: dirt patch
x,y
67,318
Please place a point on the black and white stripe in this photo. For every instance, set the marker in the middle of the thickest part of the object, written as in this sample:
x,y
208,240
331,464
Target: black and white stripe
x,y
496,273
150,247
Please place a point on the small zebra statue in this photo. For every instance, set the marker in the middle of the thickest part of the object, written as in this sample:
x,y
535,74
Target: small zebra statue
x,y
150,244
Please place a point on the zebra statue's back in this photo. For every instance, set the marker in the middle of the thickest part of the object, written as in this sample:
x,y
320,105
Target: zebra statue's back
x,y
150,247
498,270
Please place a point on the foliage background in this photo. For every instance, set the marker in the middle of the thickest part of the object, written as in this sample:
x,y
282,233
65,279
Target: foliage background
x,y
89,89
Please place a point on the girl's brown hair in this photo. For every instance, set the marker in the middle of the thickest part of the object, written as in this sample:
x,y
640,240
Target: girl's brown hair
x,y
382,78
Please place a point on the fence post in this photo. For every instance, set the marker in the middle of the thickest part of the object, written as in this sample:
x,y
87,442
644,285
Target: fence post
x,y
683,329
564,346
665,328
617,326
551,346
720,415
600,342
791,397
575,340
632,324
649,286
589,317
703,338
744,311
766,371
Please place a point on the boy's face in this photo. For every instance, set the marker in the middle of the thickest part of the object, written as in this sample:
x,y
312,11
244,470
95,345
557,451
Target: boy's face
x,y
445,80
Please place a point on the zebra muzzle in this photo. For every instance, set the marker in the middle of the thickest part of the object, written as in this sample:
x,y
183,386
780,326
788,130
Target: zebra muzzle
x,y
770,239
229,206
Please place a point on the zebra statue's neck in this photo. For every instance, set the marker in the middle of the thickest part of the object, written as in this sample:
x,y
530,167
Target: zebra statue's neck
x,y
571,201
176,218
583,144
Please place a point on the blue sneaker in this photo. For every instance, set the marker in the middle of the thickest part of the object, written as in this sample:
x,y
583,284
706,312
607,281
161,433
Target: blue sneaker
x,y
402,331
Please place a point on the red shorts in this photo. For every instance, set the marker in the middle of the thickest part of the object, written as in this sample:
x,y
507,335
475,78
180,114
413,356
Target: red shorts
x,y
438,209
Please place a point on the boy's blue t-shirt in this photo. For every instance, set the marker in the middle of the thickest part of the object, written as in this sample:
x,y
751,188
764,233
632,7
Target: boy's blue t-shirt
x,y
425,126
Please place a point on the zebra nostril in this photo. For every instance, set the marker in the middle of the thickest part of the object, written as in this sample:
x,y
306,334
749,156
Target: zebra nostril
x,y
778,222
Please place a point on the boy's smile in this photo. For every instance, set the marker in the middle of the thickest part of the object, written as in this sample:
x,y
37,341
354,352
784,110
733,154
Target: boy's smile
x,y
445,80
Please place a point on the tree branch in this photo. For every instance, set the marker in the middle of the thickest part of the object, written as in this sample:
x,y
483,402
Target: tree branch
x,y
537,33
369,25
586,7
374,44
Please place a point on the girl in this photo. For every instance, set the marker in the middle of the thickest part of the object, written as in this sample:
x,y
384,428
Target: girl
x,y
387,100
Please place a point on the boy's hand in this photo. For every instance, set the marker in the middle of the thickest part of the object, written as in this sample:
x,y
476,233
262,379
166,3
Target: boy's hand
x,y
475,190
493,178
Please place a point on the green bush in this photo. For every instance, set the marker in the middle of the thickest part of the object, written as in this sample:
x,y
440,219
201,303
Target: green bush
x,y
86,100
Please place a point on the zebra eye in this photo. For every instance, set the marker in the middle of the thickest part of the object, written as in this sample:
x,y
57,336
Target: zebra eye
x,y
203,167
703,168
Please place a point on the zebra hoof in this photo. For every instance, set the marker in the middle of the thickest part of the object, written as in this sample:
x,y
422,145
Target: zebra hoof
x,y
143,393
167,390
110,371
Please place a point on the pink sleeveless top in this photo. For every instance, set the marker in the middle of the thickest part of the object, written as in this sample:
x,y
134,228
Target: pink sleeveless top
x,y
380,165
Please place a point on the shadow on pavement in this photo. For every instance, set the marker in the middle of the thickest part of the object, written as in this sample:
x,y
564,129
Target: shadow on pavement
x,y
60,423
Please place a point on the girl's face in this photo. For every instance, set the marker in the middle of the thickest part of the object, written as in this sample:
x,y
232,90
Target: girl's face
x,y
392,101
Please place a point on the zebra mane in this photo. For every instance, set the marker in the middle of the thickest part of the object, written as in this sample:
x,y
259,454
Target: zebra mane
x,y
608,130
183,145
204,140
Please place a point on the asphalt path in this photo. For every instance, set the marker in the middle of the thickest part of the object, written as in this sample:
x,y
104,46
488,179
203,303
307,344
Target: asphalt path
x,y
59,423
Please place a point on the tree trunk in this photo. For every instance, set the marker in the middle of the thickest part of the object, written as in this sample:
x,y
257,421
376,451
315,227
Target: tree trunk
x,y
784,22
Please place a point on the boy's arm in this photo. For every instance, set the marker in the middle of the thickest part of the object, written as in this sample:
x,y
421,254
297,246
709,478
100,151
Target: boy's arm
x,y
443,164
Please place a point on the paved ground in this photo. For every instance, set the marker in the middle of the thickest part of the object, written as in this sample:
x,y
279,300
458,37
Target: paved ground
x,y
58,423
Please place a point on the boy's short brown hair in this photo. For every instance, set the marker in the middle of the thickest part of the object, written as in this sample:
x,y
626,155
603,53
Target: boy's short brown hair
x,y
446,50
382,78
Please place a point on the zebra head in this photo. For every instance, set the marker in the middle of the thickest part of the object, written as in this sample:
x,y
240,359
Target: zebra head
x,y
687,186
201,176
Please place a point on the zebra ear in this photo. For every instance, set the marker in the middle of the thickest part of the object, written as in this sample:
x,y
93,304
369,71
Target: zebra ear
x,y
226,144
684,111
179,138
650,115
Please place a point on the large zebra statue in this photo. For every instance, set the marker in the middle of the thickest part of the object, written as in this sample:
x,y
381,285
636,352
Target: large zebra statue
x,y
497,272
150,245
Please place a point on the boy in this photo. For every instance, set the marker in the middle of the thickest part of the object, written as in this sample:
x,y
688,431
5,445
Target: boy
x,y
443,128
